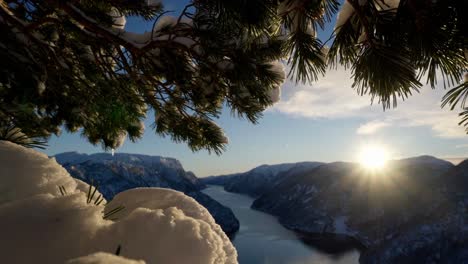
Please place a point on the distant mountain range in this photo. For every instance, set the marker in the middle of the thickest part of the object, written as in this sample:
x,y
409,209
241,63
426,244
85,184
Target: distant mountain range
x,y
413,211
114,174
259,180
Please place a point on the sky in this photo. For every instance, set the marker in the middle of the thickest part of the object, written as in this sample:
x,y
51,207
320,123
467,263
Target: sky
x,y
323,121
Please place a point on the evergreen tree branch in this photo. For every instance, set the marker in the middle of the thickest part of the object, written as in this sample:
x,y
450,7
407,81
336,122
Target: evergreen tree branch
x,y
362,18
456,96
92,26
34,25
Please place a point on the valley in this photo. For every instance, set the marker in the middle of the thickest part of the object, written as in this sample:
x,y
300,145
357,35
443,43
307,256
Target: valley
x,y
413,211
261,239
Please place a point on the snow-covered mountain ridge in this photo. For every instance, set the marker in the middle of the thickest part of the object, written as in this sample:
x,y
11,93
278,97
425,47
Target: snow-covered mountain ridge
x,y
148,160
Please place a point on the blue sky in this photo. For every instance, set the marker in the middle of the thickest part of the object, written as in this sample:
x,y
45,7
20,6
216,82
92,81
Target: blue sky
x,y
323,121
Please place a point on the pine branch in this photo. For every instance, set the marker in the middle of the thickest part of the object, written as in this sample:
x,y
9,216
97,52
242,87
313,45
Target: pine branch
x,y
92,26
363,20
456,96
10,132
46,20
464,119
18,23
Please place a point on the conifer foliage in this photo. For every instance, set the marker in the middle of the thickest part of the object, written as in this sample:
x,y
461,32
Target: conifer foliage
x,y
72,63
393,47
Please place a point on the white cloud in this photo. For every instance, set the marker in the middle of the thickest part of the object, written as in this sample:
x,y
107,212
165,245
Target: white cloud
x,y
371,127
332,97
462,146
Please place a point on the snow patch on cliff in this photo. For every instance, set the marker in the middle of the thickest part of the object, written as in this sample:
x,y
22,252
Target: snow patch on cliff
x,y
340,225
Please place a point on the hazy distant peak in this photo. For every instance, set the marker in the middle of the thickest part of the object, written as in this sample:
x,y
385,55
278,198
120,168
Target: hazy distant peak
x,y
337,167
424,159
71,157
273,169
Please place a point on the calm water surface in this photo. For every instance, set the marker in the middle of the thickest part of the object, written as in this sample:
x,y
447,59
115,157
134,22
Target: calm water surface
x,y
262,240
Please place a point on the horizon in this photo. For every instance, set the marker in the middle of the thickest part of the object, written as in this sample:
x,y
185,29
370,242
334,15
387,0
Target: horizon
x,y
454,160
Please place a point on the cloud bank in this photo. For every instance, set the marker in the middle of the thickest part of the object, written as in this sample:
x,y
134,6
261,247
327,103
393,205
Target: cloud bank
x,y
332,97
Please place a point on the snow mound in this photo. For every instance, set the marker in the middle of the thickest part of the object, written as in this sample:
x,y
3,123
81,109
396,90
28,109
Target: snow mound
x,y
103,258
26,172
40,224
166,214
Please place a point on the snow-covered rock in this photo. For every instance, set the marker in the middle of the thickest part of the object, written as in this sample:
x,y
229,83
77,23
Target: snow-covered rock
x,y
42,223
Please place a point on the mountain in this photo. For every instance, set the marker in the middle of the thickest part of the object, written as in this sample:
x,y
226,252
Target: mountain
x,y
441,239
455,182
260,179
400,214
219,179
115,173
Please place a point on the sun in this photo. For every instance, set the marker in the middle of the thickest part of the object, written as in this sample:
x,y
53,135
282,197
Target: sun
x,y
373,157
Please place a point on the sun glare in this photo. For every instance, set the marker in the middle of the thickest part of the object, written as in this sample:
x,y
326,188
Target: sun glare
x,y
373,157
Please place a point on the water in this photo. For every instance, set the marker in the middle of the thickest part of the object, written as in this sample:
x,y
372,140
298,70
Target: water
x,y
262,240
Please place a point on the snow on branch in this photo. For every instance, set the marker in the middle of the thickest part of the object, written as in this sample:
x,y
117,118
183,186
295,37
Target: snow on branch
x,y
347,10
278,68
135,42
